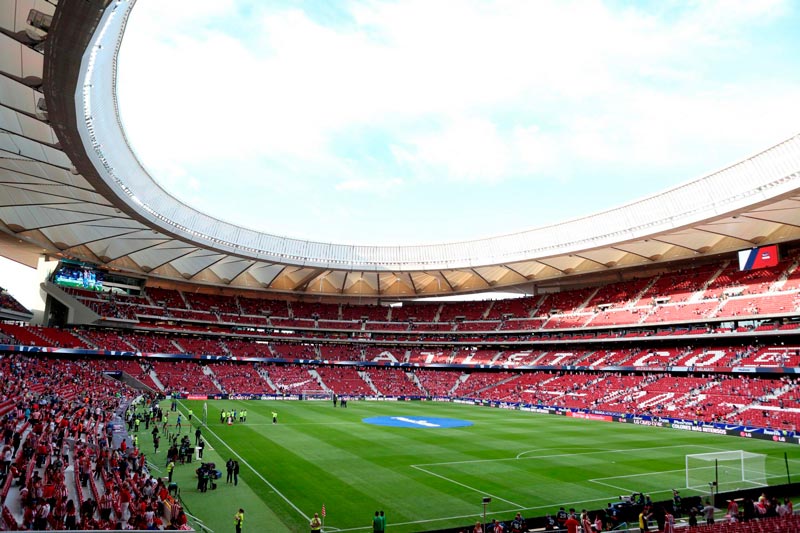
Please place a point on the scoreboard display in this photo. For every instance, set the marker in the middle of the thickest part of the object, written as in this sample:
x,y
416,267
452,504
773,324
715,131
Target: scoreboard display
x,y
761,257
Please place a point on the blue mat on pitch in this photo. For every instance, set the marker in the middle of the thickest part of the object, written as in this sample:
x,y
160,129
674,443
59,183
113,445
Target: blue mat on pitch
x,y
423,422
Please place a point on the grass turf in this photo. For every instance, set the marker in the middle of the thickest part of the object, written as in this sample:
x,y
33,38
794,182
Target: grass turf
x,y
429,479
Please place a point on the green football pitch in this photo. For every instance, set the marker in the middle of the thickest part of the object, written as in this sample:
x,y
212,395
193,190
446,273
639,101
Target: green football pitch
x,y
434,478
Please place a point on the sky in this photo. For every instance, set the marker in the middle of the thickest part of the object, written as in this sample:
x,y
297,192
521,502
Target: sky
x,y
419,121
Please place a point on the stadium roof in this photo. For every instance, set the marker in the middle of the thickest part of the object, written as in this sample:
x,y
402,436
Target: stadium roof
x,y
71,185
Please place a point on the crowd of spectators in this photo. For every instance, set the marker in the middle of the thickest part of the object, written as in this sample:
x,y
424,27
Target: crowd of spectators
x,y
64,463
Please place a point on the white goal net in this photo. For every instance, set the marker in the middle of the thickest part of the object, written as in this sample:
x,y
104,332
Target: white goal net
x,y
729,470
316,394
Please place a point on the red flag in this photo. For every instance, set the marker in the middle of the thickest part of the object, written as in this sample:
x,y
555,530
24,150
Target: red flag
x,y
323,511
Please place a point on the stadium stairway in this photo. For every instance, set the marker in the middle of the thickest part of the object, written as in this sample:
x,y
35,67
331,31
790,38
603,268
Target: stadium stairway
x,y
264,374
314,374
154,377
784,277
365,376
213,377
461,379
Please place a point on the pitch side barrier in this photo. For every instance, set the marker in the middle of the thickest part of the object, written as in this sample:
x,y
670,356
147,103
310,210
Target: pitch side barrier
x,y
681,424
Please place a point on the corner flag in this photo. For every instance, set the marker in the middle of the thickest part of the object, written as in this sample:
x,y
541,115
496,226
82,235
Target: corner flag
x,y
323,511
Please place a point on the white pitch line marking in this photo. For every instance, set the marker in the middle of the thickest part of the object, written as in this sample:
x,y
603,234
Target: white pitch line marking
x,y
464,485
520,454
570,454
490,513
258,474
625,490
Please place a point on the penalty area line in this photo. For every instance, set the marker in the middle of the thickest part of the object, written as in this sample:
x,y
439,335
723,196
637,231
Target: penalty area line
x,y
465,486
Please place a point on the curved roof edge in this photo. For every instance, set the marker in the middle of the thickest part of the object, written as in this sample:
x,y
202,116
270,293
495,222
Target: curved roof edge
x,y
57,204
767,175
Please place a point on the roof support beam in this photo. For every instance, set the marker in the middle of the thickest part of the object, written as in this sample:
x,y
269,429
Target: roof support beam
x,y
768,220
486,281
190,250
131,252
724,235
632,253
673,244
590,260
549,265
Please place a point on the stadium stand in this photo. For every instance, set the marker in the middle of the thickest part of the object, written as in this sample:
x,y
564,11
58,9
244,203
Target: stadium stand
x,y
290,379
438,383
344,381
394,382
183,377
9,302
237,378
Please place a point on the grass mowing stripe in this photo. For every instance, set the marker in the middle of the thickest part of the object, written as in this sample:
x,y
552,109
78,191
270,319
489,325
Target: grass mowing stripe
x,y
256,472
538,462
565,454
453,481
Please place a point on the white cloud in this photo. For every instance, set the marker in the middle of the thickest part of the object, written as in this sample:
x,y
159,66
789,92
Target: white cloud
x,y
370,185
504,94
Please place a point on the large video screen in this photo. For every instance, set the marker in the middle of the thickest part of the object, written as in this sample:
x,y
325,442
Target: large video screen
x,y
761,257
79,276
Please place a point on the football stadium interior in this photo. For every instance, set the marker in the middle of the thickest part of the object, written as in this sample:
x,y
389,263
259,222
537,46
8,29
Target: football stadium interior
x,y
655,350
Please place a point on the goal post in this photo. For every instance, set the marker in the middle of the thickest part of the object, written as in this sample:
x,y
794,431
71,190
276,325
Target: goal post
x,y
725,470
316,394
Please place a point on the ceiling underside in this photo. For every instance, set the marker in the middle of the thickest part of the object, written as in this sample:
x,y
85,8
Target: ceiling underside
x,y
48,206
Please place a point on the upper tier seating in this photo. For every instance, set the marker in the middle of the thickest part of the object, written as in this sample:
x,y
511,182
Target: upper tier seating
x,y
212,302
309,310
678,286
565,302
257,306
712,291
373,313
468,310
750,281
618,294
512,308
166,298
338,324
682,312
419,312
